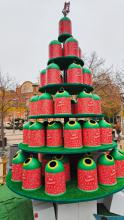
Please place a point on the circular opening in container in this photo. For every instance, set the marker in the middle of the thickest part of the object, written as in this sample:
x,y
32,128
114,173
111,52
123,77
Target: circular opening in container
x,y
61,90
51,123
109,157
27,160
88,161
52,164
92,122
59,157
15,155
72,122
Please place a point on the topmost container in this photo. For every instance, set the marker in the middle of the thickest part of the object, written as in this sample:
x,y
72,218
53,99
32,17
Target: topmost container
x,y
65,29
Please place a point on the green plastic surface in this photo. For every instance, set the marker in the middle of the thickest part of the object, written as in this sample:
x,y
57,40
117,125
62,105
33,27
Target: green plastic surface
x,y
58,166
83,165
75,66
73,194
62,94
64,62
72,88
31,164
104,160
86,70
64,19
19,157
62,150
45,96
72,125
71,39
104,124
54,125
43,71
117,154
84,94
54,42
53,66
36,126
67,116
89,124
63,37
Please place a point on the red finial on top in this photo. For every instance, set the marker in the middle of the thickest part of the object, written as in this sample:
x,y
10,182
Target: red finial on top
x,y
66,8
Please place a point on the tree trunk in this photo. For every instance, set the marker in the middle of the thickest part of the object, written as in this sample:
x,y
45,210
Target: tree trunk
x,y
2,132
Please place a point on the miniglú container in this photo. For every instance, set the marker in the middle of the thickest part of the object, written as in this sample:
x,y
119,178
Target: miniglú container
x,y
84,103
45,104
74,73
37,135
55,49
72,135
119,162
54,134
62,102
55,183
91,134
71,47
17,163
106,170
87,175
53,74
43,78
105,132
31,178
87,76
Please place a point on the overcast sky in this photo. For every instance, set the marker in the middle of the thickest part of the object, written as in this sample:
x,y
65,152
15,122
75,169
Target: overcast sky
x,y
27,27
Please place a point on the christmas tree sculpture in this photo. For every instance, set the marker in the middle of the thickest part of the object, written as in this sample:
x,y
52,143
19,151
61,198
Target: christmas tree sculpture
x,y
67,154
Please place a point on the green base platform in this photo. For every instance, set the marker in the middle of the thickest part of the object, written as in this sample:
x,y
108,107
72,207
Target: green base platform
x,y
64,62
66,116
72,88
63,37
62,150
72,195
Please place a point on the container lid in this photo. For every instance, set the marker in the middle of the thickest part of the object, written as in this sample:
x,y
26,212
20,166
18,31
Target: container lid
x,y
96,97
65,19
36,126
54,166
54,42
62,158
19,157
87,163
31,164
71,39
34,98
26,125
45,96
104,124
62,93
70,125
43,71
74,65
91,124
106,159
86,70
84,95
53,66
54,125
117,154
